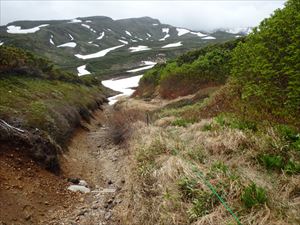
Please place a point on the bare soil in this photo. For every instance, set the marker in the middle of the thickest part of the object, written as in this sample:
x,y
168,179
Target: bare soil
x,y
31,195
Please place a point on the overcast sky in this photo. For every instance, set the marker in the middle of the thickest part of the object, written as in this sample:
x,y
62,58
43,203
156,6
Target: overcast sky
x,y
197,15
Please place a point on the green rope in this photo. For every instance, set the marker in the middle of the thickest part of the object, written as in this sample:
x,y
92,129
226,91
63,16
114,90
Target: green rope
x,y
211,187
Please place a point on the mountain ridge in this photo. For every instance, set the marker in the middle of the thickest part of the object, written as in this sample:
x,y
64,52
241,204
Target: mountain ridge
x,y
62,40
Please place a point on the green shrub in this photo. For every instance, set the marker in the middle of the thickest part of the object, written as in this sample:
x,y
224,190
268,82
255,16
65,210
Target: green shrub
x,y
182,122
272,161
188,188
253,196
207,127
292,167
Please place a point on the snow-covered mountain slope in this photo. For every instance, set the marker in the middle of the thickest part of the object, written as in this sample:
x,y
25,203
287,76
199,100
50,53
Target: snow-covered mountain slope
x,y
105,45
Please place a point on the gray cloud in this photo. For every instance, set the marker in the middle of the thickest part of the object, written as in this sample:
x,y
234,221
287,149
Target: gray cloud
x,y
198,15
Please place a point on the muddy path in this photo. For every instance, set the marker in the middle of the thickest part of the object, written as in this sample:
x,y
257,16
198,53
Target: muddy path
x,y
92,156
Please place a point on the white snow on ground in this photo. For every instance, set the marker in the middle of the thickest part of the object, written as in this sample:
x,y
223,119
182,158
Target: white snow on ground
x,y
155,24
68,44
101,35
51,40
88,26
72,38
128,33
182,31
98,54
149,35
75,21
199,34
88,21
124,42
109,29
122,85
82,70
172,45
139,48
1,43
138,38
123,37
18,30
165,37
165,30
209,38
237,36
149,65
134,40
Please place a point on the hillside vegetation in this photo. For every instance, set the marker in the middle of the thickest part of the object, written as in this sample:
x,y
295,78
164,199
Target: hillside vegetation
x,y
227,154
43,102
261,70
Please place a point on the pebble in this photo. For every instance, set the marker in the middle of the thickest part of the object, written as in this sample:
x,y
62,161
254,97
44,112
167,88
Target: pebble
x,y
108,215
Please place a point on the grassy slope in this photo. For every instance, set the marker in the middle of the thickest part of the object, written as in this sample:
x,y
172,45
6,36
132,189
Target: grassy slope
x,y
45,102
247,150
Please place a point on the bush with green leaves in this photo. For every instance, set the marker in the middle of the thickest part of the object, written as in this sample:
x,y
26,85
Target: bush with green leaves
x,y
253,196
266,66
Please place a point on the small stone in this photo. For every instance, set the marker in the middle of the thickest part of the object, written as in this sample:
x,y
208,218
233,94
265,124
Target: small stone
x,y
82,212
108,215
95,207
110,182
46,203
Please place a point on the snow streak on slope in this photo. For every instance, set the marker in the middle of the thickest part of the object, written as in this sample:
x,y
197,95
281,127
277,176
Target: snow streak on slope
x,y
172,45
209,38
182,31
68,44
82,70
165,30
98,54
75,21
122,85
1,43
148,64
72,38
124,42
89,27
51,40
128,33
101,35
139,48
199,34
18,30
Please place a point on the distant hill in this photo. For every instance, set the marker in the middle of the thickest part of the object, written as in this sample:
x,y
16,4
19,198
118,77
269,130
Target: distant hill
x,y
104,45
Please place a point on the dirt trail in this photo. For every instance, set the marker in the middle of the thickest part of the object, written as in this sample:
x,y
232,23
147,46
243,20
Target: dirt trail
x,y
93,157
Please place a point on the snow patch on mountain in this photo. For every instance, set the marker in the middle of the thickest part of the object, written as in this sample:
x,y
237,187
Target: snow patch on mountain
x,y
82,70
68,44
149,65
18,30
75,21
172,45
1,43
155,24
101,36
98,54
165,30
199,34
208,38
128,33
139,48
89,27
182,31
71,37
51,40
124,42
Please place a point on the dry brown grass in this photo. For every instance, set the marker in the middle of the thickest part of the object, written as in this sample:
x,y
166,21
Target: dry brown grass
x,y
162,154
